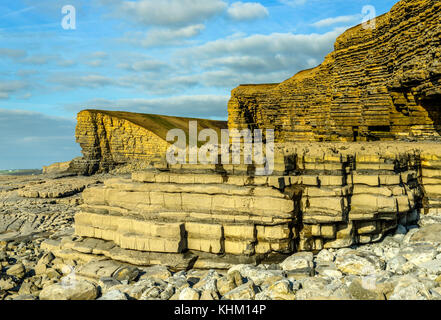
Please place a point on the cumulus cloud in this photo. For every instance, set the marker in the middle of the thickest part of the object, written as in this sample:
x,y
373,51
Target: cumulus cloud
x,y
273,44
228,62
32,139
169,13
247,11
231,61
159,37
150,65
337,20
198,106
79,80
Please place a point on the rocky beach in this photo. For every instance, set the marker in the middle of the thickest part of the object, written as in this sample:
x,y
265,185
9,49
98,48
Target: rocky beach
x,y
42,258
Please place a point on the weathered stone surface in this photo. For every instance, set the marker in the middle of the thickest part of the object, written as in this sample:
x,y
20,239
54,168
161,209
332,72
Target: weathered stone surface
x,y
246,291
359,263
72,289
380,83
109,139
113,295
299,263
57,188
59,167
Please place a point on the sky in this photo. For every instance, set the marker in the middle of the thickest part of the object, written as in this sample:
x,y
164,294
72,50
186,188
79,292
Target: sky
x,y
171,57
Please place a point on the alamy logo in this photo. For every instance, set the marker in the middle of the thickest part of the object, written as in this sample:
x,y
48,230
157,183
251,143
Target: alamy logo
x,y
69,21
250,152
70,279
369,17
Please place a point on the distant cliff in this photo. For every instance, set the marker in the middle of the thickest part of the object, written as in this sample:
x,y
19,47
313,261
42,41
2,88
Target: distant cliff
x,y
378,84
109,138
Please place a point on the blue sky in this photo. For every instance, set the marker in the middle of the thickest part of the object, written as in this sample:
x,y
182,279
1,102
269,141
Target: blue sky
x,y
173,57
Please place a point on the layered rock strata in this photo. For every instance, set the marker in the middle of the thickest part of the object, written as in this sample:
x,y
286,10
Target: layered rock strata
x,y
110,139
173,213
431,181
214,216
378,84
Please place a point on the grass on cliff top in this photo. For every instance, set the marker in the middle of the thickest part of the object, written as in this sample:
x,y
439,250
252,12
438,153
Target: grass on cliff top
x,y
160,125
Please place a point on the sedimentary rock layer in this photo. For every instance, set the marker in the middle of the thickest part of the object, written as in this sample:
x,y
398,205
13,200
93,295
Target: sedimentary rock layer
x,y
382,83
109,139
324,198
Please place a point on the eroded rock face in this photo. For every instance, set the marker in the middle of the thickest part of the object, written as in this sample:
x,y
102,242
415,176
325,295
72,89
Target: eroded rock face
x,y
110,139
377,84
189,215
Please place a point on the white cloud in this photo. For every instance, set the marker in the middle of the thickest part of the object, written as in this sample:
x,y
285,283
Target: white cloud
x,y
247,11
260,54
164,36
9,87
336,20
74,81
228,62
176,13
275,43
150,65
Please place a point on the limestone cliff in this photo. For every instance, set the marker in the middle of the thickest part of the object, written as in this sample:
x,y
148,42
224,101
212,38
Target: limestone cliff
x,y
109,139
378,84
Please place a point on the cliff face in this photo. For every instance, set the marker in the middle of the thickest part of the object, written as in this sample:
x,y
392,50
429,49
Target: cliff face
x,y
378,84
109,139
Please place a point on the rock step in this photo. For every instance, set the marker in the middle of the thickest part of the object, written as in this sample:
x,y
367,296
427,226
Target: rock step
x,y
87,250
160,215
140,202
207,188
154,236
203,178
280,167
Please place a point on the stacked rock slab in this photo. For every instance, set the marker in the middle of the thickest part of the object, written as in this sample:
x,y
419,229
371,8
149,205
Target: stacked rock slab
x,y
380,83
431,180
356,199
206,211
215,216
